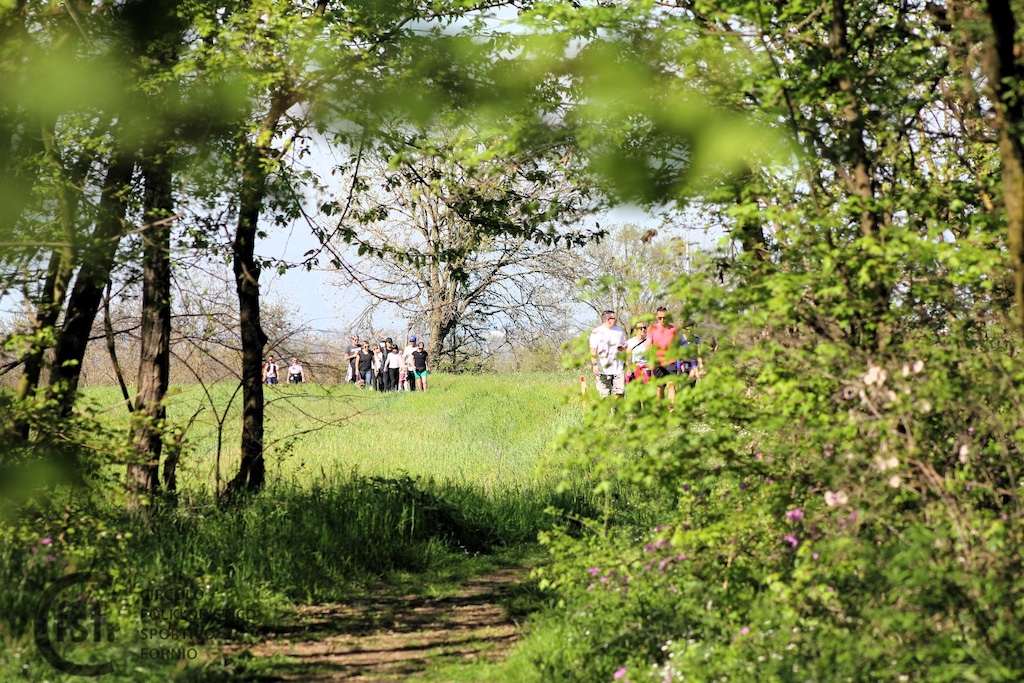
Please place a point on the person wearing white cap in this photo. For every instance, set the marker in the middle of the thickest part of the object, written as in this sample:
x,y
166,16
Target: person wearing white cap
x,y
410,348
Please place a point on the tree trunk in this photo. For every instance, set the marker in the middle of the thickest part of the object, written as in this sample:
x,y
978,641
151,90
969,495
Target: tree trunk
x,y
60,268
871,331
93,277
1005,75
38,136
440,325
48,307
250,475
155,351
256,159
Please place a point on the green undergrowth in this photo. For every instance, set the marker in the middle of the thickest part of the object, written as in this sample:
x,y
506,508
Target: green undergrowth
x,y
247,564
360,516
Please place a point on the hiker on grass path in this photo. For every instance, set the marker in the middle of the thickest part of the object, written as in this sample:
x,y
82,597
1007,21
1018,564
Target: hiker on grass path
x,y
419,365
395,364
351,354
662,335
637,346
364,365
410,349
270,369
691,367
606,342
378,366
296,375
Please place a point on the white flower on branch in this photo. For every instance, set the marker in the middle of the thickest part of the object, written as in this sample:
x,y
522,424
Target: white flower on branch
x,y
836,498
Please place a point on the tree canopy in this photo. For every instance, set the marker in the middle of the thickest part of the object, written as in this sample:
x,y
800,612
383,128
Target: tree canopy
x,y
839,493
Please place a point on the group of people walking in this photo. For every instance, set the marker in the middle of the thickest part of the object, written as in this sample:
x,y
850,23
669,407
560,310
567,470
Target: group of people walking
x,y
271,371
378,365
616,360
383,366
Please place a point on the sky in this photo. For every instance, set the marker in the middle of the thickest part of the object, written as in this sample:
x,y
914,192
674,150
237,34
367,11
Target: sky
x,y
321,302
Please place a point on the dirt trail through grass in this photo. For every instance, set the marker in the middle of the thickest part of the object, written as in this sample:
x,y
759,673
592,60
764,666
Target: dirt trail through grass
x,y
394,638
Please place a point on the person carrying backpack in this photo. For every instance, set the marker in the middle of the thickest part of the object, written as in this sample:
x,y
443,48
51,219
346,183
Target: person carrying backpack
x,y
270,370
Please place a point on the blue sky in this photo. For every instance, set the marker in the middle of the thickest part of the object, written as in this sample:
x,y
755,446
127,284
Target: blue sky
x,y
318,298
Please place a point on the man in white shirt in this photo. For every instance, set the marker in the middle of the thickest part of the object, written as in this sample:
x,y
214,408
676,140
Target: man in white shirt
x,y
606,342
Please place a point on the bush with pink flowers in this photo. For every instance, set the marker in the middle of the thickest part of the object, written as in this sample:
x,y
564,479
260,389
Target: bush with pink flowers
x,y
831,515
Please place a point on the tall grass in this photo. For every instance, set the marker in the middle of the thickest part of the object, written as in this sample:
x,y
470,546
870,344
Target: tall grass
x,y
486,430
361,486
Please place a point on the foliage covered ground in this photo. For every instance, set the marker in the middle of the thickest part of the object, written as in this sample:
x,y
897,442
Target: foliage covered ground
x,y
792,532
419,491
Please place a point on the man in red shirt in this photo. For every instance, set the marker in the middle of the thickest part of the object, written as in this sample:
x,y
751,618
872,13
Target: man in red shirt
x,y
662,335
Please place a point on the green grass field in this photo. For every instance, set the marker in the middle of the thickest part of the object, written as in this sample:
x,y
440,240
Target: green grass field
x,y
487,430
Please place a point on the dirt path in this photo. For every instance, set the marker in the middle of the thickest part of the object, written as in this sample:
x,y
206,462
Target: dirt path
x,y
393,638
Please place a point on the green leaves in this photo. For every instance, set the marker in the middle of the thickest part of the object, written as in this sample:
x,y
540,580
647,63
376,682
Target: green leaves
x,y
862,377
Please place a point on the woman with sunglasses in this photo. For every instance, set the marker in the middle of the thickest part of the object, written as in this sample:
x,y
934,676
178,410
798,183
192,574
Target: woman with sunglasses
x,y
637,346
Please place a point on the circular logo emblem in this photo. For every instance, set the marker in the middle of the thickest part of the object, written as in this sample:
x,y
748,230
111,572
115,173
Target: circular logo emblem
x,y
75,617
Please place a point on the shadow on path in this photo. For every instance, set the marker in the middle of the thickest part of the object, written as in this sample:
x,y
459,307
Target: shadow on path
x,y
391,638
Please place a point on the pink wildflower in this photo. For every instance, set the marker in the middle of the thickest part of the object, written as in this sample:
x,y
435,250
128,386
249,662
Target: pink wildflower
x,y
744,631
619,674
795,515
791,539
594,571
45,541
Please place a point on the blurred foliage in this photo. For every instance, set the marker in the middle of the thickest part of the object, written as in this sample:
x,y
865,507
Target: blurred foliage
x,y
838,498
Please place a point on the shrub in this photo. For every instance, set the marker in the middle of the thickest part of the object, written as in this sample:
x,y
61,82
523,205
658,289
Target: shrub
x,y
809,511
